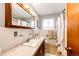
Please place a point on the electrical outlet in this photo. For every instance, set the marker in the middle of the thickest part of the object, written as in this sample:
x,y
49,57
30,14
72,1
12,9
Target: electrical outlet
x,y
15,33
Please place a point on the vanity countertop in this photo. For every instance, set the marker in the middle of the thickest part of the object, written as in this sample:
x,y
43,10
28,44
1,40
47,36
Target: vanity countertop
x,y
23,50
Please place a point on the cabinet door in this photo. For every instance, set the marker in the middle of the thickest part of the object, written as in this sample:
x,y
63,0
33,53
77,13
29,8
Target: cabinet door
x,y
38,53
41,50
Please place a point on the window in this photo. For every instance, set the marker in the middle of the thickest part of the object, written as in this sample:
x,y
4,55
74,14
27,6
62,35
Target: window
x,y
49,23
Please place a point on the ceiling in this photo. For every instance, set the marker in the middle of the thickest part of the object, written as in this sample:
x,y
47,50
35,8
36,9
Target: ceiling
x,y
48,8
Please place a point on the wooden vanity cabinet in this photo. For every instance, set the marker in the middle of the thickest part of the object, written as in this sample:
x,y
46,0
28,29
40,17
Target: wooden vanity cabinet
x,y
41,50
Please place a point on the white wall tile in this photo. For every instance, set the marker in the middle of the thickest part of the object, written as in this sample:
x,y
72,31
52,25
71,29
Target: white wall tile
x,y
7,39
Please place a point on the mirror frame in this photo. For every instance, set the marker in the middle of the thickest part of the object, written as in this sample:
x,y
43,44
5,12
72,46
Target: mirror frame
x,y
8,16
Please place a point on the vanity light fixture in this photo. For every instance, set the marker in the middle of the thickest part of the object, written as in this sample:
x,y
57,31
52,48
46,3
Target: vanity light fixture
x,y
30,9
32,12
27,6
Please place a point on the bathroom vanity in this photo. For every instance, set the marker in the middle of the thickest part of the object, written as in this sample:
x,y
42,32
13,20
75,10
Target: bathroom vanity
x,y
41,50
35,49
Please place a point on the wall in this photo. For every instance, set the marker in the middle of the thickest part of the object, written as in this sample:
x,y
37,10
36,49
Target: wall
x,y
7,39
2,15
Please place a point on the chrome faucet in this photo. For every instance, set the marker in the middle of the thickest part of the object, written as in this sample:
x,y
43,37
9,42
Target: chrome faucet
x,y
28,40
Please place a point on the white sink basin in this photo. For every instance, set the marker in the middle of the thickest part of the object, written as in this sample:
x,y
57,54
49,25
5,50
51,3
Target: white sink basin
x,y
32,43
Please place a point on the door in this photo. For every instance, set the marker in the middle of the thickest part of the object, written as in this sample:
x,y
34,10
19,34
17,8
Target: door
x,y
73,29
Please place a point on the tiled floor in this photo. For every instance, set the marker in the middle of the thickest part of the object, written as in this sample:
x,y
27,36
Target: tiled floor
x,y
48,54
52,50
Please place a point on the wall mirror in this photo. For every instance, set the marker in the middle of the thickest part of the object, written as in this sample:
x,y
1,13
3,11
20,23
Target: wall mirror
x,y
18,16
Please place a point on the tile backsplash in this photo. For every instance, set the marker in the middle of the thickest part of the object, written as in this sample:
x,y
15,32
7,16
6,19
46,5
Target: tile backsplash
x,y
12,37
8,40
